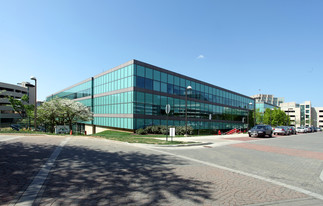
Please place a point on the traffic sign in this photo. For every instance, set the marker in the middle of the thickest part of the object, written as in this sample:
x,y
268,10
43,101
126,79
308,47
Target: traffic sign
x,y
167,108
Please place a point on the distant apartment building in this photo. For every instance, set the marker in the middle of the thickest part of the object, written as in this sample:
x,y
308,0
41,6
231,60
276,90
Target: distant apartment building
x,y
7,115
317,114
303,114
268,98
293,110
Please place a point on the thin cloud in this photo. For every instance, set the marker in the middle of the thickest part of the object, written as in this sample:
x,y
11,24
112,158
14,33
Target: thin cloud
x,y
201,56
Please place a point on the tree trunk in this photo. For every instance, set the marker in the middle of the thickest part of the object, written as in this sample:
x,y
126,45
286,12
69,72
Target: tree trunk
x,y
70,125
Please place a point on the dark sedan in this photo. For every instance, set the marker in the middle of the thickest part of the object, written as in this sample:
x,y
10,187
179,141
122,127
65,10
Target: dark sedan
x,y
261,131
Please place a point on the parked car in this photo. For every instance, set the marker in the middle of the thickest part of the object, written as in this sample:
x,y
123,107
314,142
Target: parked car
x,y
282,130
308,129
301,130
291,129
261,131
318,129
287,129
15,127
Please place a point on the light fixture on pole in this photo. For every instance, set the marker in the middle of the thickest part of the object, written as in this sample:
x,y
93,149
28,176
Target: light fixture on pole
x,y
186,89
35,109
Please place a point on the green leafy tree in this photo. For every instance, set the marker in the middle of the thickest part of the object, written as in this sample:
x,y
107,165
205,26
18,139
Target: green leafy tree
x,y
268,116
259,117
251,118
22,106
279,118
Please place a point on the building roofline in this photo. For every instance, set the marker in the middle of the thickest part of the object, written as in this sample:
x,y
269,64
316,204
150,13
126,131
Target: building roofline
x,y
187,77
134,61
262,102
74,85
12,86
95,76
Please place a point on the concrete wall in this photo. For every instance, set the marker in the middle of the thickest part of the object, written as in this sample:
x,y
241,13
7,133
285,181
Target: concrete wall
x,y
89,129
93,130
100,129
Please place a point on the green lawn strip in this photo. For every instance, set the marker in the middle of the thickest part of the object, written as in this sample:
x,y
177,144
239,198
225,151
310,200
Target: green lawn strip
x,y
134,138
21,132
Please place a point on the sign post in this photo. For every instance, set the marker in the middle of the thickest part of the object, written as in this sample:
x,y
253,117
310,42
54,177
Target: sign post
x,y
172,133
167,110
243,121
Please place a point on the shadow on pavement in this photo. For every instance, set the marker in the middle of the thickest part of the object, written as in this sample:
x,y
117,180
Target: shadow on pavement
x,y
19,163
94,177
85,176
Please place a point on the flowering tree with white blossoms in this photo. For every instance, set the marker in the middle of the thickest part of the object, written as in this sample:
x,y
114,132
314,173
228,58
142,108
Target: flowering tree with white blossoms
x,y
63,111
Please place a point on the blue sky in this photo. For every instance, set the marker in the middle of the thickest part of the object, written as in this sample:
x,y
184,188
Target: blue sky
x,y
247,46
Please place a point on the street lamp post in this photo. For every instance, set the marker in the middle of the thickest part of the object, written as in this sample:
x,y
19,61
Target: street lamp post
x,y
248,121
186,89
35,109
254,115
270,115
254,111
28,85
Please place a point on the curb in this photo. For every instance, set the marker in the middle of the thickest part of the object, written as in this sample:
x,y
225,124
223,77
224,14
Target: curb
x,y
186,145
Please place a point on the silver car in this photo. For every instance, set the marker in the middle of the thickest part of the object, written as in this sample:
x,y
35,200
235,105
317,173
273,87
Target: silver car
x,y
300,130
280,130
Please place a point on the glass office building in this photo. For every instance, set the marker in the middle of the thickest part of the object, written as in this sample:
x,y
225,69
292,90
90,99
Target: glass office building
x,y
262,106
134,95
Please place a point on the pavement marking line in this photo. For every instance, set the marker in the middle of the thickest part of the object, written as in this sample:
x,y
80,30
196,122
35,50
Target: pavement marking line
x,y
10,138
30,195
295,188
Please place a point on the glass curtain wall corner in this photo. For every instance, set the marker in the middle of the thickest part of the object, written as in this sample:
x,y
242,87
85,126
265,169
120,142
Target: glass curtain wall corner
x,y
134,96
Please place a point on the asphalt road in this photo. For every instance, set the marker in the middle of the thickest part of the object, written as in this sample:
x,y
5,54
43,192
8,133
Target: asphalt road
x,y
234,170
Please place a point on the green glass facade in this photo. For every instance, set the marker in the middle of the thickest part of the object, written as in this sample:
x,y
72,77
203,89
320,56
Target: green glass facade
x,y
134,95
262,106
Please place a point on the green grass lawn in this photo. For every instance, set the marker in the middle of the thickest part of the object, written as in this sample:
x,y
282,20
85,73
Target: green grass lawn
x,y
26,131
20,131
134,138
114,135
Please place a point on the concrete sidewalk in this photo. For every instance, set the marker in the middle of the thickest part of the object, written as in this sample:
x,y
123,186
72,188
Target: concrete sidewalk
x,y
212,140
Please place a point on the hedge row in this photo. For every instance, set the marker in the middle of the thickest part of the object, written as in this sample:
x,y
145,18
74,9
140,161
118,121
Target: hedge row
x,y
162,129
